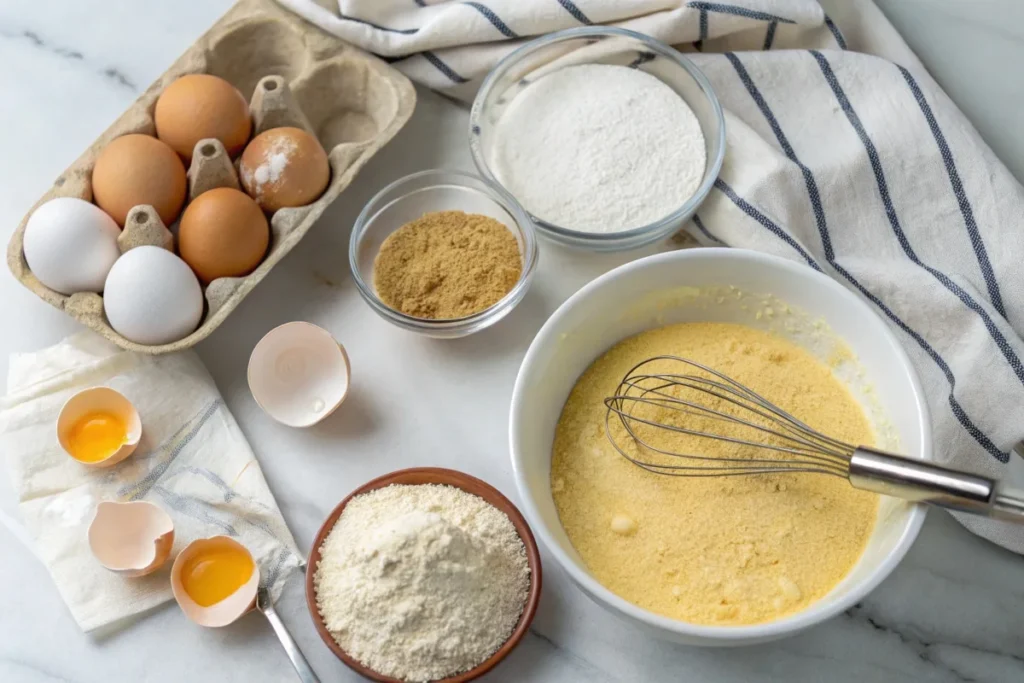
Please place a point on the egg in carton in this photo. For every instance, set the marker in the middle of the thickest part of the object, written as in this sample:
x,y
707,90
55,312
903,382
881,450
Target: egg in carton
x,y
294,75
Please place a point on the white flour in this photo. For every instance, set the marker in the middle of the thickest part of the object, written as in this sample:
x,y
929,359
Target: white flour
x,y
599,148
276,158
421,582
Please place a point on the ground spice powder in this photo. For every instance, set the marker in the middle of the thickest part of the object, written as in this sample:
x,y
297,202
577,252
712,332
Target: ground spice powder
x,y
712,550
447,264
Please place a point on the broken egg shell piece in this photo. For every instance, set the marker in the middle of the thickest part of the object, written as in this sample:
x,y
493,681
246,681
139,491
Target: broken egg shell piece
x,y
299,374
132,539
228,610
105,400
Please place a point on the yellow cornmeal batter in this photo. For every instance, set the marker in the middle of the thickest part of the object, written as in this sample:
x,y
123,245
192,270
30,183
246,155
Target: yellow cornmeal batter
x,y
712,550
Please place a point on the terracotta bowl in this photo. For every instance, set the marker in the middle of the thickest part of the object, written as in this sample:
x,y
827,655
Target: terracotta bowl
x,y
433,475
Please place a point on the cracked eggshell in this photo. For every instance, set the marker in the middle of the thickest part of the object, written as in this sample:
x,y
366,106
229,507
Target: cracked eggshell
x,y
230,608
299,374
132,539
100,400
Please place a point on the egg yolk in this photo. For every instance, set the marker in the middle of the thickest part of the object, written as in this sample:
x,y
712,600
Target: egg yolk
x,y
213,575
96,437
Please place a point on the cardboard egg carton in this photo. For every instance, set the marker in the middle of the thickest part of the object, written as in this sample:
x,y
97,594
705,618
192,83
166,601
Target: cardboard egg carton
x,y
294,74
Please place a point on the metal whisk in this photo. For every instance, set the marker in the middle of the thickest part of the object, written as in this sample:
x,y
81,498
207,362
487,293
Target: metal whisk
x,y
757,437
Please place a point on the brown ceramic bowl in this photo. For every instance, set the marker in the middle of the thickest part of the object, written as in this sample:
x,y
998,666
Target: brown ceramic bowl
x,y
433,475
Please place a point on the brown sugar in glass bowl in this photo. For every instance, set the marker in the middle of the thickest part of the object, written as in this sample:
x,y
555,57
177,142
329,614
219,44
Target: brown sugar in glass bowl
x,y
426,192
465,482
446,265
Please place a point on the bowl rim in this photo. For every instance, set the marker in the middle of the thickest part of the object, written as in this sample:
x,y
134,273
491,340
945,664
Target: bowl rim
x,y
531,253
643,234
814,613
469,484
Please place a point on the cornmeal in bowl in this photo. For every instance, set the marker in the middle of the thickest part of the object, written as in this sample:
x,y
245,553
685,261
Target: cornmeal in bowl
x,y
712,550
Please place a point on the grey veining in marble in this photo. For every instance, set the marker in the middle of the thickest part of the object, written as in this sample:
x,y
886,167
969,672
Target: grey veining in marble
x,y
951,612
36,41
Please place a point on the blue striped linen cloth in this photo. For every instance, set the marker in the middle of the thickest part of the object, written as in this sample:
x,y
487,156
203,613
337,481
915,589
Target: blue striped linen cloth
x,y
193,461
854,165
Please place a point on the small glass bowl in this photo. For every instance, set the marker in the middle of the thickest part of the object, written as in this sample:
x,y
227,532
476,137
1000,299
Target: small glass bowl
x,y
409,198
601,45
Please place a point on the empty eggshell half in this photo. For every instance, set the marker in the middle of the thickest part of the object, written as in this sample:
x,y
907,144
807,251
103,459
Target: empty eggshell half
x,y
299,374
230,608
132,539
100,400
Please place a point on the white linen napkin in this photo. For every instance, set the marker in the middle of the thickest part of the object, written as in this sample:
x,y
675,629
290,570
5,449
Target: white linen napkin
x,y
857,166
192,461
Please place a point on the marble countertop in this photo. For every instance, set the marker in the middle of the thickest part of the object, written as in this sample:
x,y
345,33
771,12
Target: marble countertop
x,y
950,612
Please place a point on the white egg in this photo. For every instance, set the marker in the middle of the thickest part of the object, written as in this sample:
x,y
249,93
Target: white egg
x,y
152,297
70,245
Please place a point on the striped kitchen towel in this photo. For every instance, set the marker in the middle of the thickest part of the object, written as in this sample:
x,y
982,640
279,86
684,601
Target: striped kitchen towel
x,y
854,165
193,461
450,45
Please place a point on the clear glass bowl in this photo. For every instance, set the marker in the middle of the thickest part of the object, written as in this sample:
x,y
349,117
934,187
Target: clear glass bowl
x,y
604,45
409,198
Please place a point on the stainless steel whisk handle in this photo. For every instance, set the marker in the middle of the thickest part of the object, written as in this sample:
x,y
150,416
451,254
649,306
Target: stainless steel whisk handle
x,y
925,482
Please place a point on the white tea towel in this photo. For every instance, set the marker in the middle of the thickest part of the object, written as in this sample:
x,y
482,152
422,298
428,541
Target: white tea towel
x,y
193,462
857,166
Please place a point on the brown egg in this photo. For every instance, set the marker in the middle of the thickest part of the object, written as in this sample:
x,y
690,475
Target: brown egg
x,y
200,106
284,167
223,233
139,169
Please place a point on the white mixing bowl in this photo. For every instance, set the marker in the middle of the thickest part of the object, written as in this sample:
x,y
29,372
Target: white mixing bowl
x,y
660,290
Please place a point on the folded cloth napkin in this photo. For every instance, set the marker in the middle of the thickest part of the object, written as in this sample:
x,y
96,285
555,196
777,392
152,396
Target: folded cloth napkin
x,y
856,166
193,462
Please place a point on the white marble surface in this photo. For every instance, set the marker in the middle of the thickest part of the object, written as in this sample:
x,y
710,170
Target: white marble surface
x,y
950,612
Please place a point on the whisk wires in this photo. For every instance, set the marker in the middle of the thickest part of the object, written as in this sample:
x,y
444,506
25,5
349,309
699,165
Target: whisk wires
x,y
664,412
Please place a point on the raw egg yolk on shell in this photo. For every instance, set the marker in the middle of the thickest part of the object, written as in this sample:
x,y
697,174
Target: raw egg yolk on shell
x,y
96,436
215,574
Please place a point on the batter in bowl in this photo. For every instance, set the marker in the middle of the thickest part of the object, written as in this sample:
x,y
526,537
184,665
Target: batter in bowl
x,y
712,550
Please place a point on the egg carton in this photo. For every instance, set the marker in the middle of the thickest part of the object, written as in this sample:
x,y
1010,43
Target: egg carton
x,y
294,74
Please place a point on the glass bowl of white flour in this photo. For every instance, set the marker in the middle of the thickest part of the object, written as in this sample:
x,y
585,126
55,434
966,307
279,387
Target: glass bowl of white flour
x,y
608,138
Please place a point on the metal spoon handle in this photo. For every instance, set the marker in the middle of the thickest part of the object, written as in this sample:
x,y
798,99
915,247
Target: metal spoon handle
x,y
302,667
